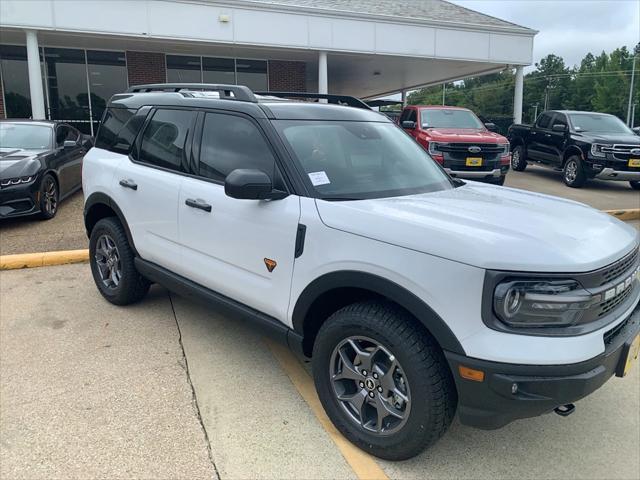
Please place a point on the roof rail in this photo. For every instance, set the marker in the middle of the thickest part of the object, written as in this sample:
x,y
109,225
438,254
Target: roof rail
x,y
335,99
227,92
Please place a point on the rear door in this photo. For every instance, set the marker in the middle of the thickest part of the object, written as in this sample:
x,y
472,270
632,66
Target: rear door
x,y
147,186
228,244
539,147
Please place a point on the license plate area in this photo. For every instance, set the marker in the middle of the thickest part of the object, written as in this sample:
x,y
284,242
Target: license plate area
x,y
634,162
474,162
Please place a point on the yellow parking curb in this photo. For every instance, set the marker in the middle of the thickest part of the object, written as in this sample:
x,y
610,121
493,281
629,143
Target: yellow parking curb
x,y
625,215
43,259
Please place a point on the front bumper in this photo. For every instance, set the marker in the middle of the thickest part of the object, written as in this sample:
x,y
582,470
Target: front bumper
x,y
620,175
495,173
20,200
495,401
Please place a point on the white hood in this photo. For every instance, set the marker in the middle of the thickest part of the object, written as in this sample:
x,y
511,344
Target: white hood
x,y
490,227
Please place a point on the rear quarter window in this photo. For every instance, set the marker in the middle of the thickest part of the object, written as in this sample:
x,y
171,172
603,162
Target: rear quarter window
x,y
118,130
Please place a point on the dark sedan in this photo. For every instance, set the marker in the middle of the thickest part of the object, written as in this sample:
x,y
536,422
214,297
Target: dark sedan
x,y
40,165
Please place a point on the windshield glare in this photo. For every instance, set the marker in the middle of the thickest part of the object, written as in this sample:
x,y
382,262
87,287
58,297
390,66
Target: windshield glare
x,y
24,135
449,118
358,160
584,122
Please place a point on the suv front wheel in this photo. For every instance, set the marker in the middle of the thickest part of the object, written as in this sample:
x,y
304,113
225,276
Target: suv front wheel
x,y
383,380
112,264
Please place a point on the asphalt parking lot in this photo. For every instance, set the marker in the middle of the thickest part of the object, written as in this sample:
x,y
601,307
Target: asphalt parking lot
x,y
66,230
169,389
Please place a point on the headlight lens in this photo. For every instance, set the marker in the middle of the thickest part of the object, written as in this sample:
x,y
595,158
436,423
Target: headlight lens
x,y
7,182
596,150
541,303
506,147
434,148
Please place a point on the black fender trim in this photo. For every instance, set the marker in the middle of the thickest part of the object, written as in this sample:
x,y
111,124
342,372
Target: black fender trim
x,y
383,287
104,199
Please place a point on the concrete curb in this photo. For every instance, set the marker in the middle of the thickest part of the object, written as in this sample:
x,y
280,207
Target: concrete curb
x,y
42,259
46,259
625,215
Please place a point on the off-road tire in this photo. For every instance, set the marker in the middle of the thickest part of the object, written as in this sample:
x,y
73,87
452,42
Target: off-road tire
x,y
132,286
433,393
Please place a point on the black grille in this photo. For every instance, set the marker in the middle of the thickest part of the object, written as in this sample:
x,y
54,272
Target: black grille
x,y
613,333
621,152
619,267
609,305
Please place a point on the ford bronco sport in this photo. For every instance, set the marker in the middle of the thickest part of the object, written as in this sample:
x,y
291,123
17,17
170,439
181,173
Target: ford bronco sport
x,y
416,295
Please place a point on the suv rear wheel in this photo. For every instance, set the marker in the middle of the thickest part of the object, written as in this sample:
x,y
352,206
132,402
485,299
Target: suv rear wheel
x,y
383,380
111,258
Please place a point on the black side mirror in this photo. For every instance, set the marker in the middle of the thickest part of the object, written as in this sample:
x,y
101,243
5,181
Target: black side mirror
x,y
558,127
491,126
69,144
251,184
409,124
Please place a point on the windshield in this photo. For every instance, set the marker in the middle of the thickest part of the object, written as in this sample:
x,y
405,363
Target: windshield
x,y
24,135
597,122
449,118
358,160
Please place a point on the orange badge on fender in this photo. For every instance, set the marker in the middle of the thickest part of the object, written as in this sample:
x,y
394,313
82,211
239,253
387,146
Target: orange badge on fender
x,y
271,264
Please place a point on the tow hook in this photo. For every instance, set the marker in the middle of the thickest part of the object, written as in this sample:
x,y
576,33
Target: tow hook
x,y
565,410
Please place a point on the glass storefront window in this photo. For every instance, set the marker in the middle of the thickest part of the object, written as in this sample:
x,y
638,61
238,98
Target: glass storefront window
x,y
107,76
15,81
184,69
67,82
218,70
252,73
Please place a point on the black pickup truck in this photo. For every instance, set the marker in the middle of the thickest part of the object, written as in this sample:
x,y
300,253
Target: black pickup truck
x,y
582,145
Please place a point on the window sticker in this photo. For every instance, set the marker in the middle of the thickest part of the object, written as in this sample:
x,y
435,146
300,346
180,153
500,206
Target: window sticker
x,y
319,178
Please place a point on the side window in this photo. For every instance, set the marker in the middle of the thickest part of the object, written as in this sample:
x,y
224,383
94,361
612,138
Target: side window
x,y
112,123
230,142
62,132
165,138
405,115
412,116
544,120
560,118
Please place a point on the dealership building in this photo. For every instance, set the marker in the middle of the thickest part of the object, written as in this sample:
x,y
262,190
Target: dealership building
x,y
63,59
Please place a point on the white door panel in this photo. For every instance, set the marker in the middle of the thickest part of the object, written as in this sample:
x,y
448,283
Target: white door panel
x,y
151,211
225,249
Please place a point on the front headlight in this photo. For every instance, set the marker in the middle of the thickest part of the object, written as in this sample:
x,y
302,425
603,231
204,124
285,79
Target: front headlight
x,y
434,148
541,303
596,150
506,147
8,182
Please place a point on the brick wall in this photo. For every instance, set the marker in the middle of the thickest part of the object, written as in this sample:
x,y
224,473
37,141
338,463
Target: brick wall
x,y
285,76
146,67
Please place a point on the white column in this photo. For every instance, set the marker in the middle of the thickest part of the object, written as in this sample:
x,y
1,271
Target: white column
x,y
403,96
323,81
35,76
517,97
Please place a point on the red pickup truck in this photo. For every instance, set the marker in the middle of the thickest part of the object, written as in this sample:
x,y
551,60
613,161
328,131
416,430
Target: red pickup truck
x,y
457,139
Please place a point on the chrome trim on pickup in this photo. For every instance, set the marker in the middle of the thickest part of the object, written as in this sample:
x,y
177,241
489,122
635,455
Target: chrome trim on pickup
x,y
496,172
620,175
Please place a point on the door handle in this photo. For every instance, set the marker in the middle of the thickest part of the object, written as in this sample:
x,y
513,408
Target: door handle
x,y
128,183
197,203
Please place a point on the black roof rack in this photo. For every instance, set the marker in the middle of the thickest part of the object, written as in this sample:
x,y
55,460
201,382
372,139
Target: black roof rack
x,y
227,92
335,99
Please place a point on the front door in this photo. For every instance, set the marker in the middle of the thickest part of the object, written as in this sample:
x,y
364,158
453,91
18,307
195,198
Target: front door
x,y
69,160
539,147
243,249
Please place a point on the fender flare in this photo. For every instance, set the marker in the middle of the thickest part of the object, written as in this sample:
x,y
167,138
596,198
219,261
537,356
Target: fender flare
x,y
383,287
572,149
99,198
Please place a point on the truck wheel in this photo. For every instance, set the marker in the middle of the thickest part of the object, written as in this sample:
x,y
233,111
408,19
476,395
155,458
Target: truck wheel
x,y
519,159
383,380
635,184
572,173
112,266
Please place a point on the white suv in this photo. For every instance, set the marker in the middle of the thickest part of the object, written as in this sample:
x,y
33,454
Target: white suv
x,y
415,294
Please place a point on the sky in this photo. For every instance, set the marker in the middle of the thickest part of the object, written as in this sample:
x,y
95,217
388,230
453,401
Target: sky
x,y
569,28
